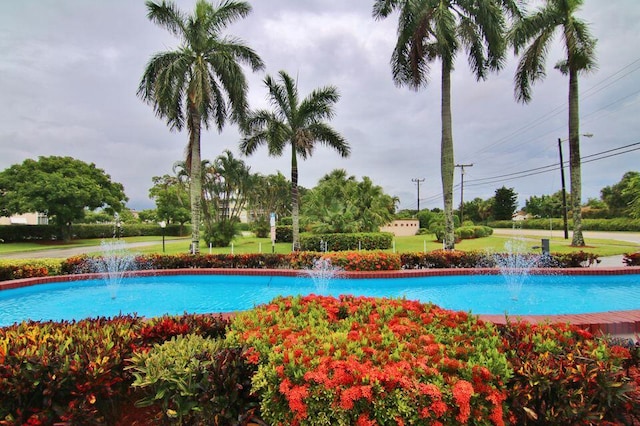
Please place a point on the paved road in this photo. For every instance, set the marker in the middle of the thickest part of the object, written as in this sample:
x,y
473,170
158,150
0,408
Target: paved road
x,y
630,237
63,253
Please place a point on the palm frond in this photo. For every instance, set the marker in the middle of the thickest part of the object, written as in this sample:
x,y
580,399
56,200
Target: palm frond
x,y
167,15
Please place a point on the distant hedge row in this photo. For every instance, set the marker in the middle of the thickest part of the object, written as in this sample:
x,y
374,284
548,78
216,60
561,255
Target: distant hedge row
x,y
17,233
618,224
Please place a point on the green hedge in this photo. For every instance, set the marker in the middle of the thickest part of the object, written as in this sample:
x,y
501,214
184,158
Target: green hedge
x,y
16,233
342,242
617,224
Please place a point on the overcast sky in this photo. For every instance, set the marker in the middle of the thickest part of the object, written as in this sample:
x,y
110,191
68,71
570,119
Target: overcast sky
x,y
69,71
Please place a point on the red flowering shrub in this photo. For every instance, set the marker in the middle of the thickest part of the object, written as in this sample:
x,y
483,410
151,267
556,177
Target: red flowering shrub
x,y
563,376
632,259
357,360
160,329
446,259
347,261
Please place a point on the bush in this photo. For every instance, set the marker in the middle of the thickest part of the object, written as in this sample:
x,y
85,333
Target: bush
x,y
343,242
357,360
562,376
445,259
352,261
74,372
32,268
632,259
196,380
67,371
575,259
221,233
284,234
261,227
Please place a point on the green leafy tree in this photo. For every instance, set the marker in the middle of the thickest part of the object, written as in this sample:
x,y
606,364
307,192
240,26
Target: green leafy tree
x,y
430,30
148,216
505,203
618,197
544,205
171,196
199,83
632,192
297,123
62,187
532,36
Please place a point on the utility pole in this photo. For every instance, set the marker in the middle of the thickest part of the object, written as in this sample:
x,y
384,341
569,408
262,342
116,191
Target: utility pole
x,y
462,166
416,180
564,193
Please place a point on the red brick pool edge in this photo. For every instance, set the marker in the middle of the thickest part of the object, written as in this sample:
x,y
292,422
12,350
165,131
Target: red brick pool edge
x,y
610,323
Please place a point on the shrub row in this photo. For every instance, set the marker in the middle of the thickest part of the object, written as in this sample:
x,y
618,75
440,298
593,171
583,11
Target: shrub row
x,y
15,233
617,224
349,261
74,372
317,360
31,268
345,242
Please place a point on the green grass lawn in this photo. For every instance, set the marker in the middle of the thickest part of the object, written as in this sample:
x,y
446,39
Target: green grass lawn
x,y
244,245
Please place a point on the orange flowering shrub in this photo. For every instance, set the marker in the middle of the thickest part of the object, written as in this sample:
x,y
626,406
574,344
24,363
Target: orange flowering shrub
x,y
368,361
348,260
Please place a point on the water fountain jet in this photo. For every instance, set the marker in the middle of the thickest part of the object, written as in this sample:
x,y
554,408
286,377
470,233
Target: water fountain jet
x,y
322,272
113,264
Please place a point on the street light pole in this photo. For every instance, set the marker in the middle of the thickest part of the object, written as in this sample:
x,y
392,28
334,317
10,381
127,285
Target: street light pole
x,y
163,225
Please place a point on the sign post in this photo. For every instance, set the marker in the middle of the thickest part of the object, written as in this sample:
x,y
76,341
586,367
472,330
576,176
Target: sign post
x,y
272,222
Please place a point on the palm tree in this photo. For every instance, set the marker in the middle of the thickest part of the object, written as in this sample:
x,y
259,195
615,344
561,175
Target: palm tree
x,y
439,29
296,123
533,35
201,82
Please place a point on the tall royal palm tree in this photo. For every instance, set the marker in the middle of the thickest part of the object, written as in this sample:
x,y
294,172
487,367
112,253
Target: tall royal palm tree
x,y
296,123
430,30
532,36
199,83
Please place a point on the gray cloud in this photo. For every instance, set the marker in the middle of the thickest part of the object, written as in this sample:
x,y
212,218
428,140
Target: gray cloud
x,y
69,73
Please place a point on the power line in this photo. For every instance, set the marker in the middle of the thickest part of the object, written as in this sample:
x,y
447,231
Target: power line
x,y
625,149
601,85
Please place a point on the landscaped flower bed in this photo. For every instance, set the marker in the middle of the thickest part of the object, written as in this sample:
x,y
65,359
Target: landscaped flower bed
x,y
316,360
348,261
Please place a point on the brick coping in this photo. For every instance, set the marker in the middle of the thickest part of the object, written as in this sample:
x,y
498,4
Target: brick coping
x,y
610,323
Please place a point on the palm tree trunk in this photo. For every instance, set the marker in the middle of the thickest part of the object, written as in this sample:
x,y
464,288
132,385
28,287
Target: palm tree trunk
x,y
574,159
446,158
195,182
295,209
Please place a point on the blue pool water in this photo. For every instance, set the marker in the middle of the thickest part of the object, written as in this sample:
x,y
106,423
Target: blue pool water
x,y
480,294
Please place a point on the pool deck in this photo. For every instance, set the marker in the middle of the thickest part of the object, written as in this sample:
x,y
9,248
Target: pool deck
x,y
625,323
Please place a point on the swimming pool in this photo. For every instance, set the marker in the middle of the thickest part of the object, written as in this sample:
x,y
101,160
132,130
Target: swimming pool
x,y
175,294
